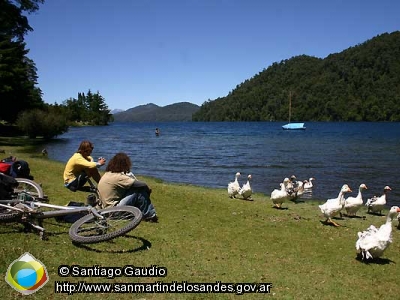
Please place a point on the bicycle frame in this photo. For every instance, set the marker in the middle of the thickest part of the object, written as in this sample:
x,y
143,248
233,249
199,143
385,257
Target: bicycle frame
x,y
31,211
28,205
59,210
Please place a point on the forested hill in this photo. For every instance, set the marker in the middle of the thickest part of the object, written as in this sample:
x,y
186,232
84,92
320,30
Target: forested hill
x,y
362,83
181,111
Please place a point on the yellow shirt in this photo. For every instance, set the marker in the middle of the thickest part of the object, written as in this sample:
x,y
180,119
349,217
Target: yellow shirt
x,y
75,165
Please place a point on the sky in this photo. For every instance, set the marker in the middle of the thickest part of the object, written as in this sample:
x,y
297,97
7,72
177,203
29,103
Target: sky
x,y
135,52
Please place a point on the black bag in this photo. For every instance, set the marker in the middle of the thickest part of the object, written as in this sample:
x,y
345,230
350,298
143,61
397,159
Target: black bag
x,y
7,185
72,218
20,168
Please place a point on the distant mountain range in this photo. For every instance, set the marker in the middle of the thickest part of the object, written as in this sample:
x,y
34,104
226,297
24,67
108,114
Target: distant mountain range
x,y
115,111
177,112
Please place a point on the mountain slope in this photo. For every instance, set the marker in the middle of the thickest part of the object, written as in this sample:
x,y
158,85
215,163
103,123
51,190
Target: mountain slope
x,y
362,83
181,111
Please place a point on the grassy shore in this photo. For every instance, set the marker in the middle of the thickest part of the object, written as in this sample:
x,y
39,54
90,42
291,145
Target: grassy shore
x,y
205,237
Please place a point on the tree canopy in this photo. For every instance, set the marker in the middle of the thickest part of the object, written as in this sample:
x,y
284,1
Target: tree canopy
x,y
18,77
362,83
88,109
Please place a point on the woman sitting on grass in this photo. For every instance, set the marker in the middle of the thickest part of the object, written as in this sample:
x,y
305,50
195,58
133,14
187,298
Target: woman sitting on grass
x,y
118,186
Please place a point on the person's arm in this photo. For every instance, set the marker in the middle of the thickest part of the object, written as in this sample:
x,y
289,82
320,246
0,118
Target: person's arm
x,y
139,184
81,161
128,182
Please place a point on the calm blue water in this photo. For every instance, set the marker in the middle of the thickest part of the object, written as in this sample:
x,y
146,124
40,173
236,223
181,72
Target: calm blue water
x,y
209,154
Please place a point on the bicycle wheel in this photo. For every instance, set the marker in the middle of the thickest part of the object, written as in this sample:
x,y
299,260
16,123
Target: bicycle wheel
x,y
30,187
116,221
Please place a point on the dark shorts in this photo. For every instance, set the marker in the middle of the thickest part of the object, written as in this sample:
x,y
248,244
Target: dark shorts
x,y
78,183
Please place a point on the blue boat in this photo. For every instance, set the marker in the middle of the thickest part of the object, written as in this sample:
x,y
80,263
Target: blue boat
x,y
292,126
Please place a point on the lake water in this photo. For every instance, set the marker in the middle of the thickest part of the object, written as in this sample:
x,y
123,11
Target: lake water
x,y
209,154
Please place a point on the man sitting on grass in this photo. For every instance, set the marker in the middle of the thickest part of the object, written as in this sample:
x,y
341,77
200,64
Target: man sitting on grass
x,y
80,167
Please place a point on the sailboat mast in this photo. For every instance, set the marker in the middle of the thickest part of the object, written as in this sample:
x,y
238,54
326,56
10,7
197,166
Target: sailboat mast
x,y
292,126
290,105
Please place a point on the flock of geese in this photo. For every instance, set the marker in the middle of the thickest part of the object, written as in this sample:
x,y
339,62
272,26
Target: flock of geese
x,y
290,189
371,243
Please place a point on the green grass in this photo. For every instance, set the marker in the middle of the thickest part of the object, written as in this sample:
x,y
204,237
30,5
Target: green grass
x,y
204,236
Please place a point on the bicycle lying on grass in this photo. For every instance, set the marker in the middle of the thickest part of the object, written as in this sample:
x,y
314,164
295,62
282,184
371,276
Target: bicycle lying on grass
x,y
27,205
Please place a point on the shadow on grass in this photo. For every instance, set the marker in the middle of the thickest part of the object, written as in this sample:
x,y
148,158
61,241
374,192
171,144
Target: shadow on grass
x,y
280,208
15,226
297,201
19,141
380,214
112,245
355,217
10,227
28,229
376,261
91,247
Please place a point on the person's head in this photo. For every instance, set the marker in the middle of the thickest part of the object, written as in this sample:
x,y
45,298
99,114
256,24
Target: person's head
x,y
119,163
85,148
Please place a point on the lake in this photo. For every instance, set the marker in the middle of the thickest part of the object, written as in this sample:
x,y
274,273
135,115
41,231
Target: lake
x,y
210,153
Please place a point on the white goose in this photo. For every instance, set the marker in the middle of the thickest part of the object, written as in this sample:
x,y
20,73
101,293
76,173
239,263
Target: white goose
x,y
353,204
299,183
333,206
234,187
309,185
246,190
290,184
279,196
287,183
376,204
373,242
297,192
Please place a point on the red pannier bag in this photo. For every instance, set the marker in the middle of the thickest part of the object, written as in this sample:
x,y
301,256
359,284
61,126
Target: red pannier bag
x,y
5,168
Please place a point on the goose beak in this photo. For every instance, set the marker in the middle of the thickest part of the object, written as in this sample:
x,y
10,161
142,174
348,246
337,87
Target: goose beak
x,y
398,210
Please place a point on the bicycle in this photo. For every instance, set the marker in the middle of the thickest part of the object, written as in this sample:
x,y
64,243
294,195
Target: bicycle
x,y
94,226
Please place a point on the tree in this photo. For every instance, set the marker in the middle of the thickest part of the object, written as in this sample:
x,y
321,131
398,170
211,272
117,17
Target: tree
x,y
99,113
12,21
90,109
17,79
17,72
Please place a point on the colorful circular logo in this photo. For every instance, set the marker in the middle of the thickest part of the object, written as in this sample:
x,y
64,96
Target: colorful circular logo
x,y
26,274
